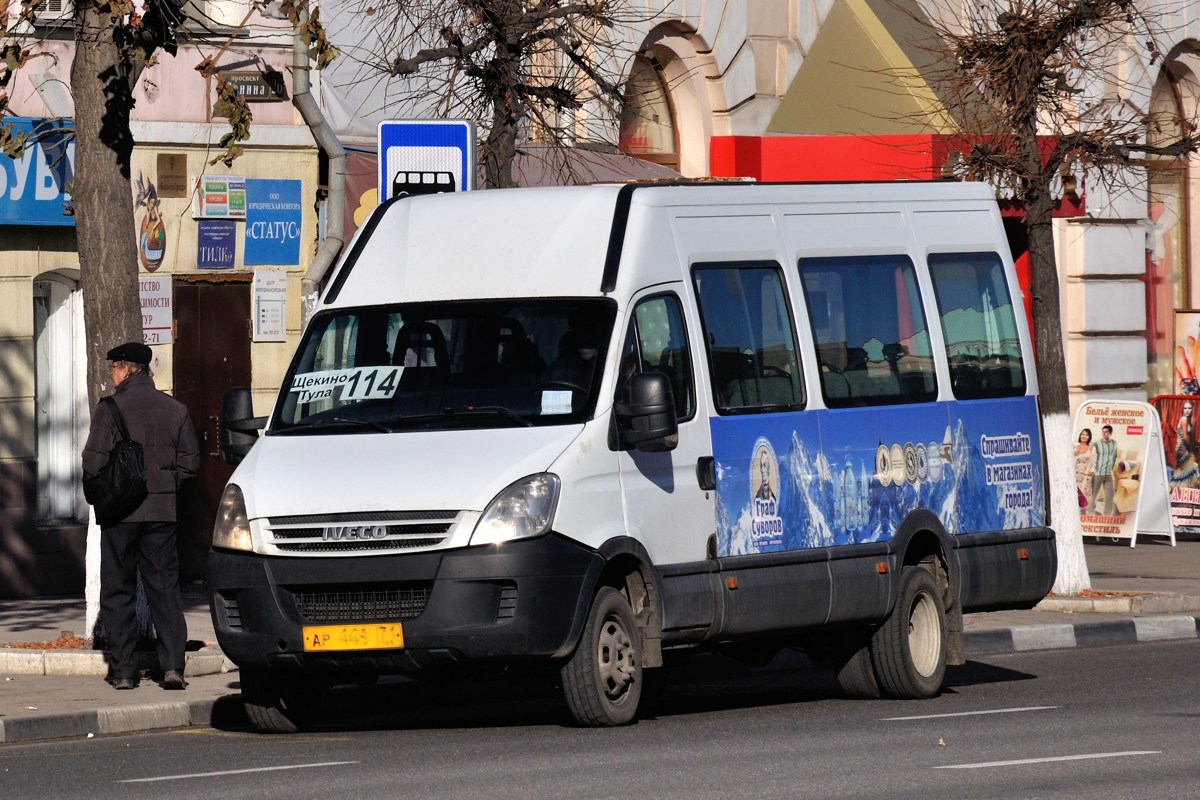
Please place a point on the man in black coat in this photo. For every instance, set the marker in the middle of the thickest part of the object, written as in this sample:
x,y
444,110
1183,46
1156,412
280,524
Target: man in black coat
x,y
144,540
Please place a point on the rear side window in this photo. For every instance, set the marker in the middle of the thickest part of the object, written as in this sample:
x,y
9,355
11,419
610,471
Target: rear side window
x,y
750,337
979,324
871,334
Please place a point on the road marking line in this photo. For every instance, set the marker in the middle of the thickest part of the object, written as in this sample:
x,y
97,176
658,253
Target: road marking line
x,y
236,772
971,713
1020,761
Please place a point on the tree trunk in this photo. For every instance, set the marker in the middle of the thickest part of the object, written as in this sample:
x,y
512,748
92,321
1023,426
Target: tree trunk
x,y
500,152
500,148
102,196
1054,397
103,202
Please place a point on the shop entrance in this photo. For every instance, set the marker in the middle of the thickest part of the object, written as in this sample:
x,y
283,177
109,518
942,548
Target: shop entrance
x,y
211,353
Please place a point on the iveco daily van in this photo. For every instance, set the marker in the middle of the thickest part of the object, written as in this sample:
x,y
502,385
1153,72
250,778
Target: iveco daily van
x,y
594,428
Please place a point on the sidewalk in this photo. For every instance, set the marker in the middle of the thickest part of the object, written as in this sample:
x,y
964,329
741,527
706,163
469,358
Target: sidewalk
x,y
1147,593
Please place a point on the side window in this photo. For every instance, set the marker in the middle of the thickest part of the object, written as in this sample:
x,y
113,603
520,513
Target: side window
x,y
870,330
979,323
657,342
750,337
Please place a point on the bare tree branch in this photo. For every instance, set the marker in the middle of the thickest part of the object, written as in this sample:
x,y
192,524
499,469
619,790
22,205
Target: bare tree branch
x,y
527,71
1031,85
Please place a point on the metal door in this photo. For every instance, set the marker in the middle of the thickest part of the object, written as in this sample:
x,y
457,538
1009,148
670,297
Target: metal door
x,y
211,353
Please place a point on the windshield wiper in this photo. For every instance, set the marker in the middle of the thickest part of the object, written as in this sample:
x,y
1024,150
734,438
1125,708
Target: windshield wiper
x,y
507,413
337,422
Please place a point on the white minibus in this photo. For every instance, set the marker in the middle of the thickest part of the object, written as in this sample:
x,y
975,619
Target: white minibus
x,y
600,428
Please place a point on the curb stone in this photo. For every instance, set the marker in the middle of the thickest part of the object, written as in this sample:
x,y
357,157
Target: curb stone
x,y
130,719
91,663
1024,638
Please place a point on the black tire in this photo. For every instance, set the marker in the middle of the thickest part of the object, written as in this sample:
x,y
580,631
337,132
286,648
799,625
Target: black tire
x,y
908,651
855,672
602,681
277,702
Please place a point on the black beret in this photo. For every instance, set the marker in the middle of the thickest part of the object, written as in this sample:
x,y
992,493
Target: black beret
x,y
133,352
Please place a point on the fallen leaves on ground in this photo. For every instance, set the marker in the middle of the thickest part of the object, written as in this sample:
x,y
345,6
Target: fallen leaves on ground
x,y
64,642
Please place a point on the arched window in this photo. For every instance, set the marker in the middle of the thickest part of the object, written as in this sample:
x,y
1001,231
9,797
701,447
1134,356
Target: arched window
x,y
1166,243
647,123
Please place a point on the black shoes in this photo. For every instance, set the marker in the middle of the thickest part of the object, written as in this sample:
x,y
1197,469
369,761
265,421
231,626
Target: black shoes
x,y
173,680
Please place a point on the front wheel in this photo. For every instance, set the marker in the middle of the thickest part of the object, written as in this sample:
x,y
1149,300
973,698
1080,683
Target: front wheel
x,y
279,702
909,649
602,681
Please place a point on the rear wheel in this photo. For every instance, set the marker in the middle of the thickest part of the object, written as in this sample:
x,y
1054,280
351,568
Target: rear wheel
x,y
279,702
602,681
909,650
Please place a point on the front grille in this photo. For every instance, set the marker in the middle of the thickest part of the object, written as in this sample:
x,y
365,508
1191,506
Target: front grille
x,y
310,546
369,604
363,532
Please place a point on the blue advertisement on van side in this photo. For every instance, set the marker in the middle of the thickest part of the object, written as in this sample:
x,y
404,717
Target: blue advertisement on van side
x,y
824,478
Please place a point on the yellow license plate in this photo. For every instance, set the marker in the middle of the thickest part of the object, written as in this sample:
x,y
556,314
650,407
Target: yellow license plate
x,y
372,636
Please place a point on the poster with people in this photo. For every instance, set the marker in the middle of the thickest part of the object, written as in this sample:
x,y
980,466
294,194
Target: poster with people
x,y
1180,449
1120,474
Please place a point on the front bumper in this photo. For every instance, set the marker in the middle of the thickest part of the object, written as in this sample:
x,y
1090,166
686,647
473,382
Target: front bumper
x,y
517,601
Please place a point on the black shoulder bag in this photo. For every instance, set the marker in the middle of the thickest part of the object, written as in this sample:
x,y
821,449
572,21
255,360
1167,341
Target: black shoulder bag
x,y
120,486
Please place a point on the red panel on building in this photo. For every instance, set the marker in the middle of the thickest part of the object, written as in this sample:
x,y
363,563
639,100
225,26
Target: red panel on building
x,y
827,158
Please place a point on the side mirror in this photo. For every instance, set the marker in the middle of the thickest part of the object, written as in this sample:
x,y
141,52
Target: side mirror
x,y
238,426
647,421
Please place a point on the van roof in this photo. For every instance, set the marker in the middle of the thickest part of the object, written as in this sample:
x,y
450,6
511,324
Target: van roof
x,y
561,241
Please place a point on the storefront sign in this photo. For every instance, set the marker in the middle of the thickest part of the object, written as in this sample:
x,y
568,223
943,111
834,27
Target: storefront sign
x,y
272,223
219,197
270,305
1120,473
155,294
216,240
33,185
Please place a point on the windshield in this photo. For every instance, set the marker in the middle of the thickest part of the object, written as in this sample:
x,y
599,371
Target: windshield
x,y
436,365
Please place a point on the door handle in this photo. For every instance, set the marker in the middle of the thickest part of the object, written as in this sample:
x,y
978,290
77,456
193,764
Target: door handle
x,y
706,473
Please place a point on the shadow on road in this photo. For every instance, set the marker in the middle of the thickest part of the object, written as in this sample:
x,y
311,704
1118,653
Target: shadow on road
x,y
703,684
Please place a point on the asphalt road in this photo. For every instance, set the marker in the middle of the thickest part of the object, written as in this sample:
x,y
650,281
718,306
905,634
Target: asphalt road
x,y
1112,722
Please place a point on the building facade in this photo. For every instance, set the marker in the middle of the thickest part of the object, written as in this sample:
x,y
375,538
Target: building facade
x,y
832,90
219,279
762,89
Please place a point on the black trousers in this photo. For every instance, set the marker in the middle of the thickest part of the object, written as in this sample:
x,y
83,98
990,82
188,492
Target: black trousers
x,y
126,549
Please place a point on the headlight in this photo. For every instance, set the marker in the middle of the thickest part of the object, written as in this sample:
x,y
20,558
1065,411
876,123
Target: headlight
x,y
523,510
232,528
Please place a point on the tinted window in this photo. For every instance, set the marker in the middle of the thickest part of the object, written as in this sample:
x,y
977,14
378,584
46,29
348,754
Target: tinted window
x,y
979,324
870,330
750,338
